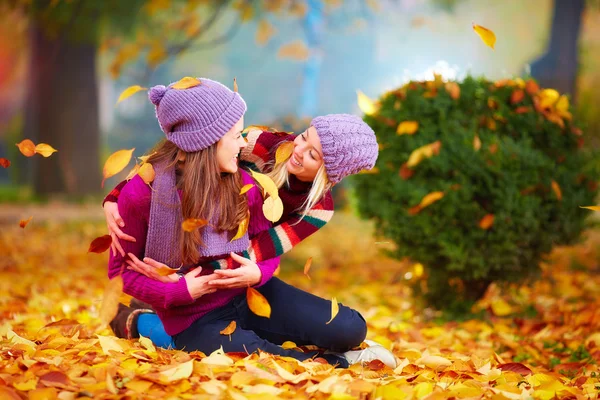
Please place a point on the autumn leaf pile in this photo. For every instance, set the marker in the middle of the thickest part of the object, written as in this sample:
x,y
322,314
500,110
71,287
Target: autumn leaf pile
x,y
540,341
476,180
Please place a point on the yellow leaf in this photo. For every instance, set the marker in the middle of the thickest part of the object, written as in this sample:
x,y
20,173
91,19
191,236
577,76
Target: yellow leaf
x,y
372,171
434,362
146,172
266,183
181,371
295,50
423,152
48,393
27,385
138,386
453,89
407,127
562,105
109,343
26,147
548,97
133,172
284,152
257,303
45,149
431,198
335,309
487,221
229,329
365,104
191,224
235,85
264,32
218,357
307,267
157,54
556,189
273,208
245,188
23,223
147,344
242,228
130,91
110,301
488,37
418,270
593,208
501,308
165,271
16,339
186,83
423,389
115,163
289,345
476,143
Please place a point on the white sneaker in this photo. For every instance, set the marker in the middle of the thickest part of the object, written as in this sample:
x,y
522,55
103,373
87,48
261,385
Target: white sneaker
x,y
375,351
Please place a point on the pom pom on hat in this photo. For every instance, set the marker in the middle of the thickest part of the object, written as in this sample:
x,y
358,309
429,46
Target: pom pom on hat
x,y
156,93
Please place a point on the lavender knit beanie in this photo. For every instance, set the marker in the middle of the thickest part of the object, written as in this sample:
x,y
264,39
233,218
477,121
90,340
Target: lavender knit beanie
x,y
349,145
197,117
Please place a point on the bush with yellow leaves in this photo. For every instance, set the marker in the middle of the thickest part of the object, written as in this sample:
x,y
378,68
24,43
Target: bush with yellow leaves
x,y
476,180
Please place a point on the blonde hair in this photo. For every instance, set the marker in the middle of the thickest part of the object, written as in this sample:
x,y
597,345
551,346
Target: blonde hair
x,y
320,185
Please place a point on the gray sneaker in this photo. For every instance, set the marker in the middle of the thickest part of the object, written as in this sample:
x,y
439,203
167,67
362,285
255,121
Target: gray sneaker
x,y
375,351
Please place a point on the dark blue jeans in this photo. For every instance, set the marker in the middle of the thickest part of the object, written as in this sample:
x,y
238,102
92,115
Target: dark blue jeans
x,y
296,316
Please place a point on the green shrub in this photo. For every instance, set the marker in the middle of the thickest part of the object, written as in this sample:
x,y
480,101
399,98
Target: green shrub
x,y
529,174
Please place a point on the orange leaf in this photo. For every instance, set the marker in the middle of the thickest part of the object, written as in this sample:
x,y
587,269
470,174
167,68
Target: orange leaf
x,y
476,143
110,301
100,244
423,152
284,152
335,309
557,190
130,91
257,303
307,267
531,87
407,127
245,188
191,224
229,329
26,147
493,148
515,367
23,223
116,162
186,83
235,85
405,172
487,221
163,270
296,50
487,36
522,110
264,32
453,89
593,208
146,172
4,163
517,96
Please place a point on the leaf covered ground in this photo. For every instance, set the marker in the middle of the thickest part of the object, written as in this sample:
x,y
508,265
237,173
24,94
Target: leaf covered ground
x,y
540,340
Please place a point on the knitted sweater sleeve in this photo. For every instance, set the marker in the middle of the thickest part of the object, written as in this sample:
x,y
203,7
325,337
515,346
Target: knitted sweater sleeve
x,y
134,207
260,149
113,196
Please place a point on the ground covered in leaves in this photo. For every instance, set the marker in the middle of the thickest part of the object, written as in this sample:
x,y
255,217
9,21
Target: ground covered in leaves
x,y
540,340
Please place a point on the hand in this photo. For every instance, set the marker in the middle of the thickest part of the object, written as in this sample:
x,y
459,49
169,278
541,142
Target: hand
x,y
247,275
149,267
115,223
198,286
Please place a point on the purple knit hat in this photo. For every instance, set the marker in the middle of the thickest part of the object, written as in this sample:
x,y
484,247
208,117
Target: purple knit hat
x,y
349,145
197,117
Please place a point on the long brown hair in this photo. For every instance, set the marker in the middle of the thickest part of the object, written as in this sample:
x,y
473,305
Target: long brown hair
x,y
206,192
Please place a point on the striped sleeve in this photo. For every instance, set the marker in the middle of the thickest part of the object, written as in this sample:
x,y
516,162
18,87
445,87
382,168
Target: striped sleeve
x,y
260,149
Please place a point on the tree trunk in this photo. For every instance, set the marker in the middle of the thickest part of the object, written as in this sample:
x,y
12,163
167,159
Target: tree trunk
x,y
62,111
558,67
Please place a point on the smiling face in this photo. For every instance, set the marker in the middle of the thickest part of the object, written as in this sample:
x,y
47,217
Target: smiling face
x,y
307,157
229,147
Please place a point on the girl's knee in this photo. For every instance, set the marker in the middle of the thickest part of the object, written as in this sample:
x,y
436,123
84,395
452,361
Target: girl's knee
x,y
349,332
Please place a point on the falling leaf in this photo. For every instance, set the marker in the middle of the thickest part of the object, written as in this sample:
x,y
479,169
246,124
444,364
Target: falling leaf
x,y
487,221
116,162
453,89
427,151
191,224
45,149
307,267
273,208
487,36
100,244
133,172
110,301
517,96
476,143
365,104
242,228
295,50
284,152
163,270
4,163
130,91
181,371
264,32
556,189
405,172
23,223
427,200
407,127
266,183
257,303
245,188
235,85
27,148
146,172
335,309
593,208
229,329
186,83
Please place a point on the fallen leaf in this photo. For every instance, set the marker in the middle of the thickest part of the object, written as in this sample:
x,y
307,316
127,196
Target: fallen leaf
x,y
284,152
4,162
556,189
23,223
307,267
186,83
295,50
229,329
487,221
335,309
110,300
434,362
191,224
45,149
476,143
273,208
181,371
100,244
109,343
245,188
593,208
487,36
423,152
266,183
264,32
130,91
218,357
27,148
242,228
515,367
257,303
501,308
146,172
365,104
116,162
407,127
